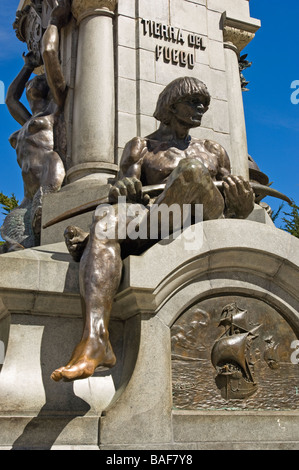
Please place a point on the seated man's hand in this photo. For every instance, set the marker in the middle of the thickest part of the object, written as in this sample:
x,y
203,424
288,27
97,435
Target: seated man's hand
x,y
130,188
239,197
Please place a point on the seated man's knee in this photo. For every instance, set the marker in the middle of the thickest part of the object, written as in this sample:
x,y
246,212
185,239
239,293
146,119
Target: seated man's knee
x,y
192,170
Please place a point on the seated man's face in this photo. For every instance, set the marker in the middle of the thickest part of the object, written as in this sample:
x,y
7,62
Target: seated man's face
x,y
189,111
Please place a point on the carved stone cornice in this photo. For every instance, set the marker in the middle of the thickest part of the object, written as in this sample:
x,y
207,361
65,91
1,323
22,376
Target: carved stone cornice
x,y
237,37
238,33
83,8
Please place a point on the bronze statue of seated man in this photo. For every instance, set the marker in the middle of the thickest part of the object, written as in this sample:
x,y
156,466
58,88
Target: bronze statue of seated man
x,y
190,169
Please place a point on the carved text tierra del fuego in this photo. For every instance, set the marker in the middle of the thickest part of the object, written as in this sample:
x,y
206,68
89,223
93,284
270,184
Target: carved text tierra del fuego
x,y
169,33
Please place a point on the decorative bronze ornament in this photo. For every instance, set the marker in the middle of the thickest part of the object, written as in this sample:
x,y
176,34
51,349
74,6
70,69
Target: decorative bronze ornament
x,y
28,27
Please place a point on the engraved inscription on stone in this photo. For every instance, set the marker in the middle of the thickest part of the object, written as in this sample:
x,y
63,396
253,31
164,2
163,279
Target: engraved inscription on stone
x,y
168,54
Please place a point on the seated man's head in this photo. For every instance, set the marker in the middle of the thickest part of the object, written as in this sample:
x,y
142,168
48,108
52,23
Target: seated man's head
x,y
185,99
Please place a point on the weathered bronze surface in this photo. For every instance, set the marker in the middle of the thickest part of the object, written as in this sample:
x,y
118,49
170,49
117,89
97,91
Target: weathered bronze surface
x,y
233,352
38,141
188,167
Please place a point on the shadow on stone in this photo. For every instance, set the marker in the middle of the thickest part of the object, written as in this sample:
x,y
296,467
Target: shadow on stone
x,y
62,405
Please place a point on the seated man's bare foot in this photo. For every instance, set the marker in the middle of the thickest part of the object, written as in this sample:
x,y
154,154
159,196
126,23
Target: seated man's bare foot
x,y
76,241
86,358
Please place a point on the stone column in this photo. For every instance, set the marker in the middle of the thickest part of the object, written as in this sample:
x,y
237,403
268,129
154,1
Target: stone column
x,y
236,36
94,93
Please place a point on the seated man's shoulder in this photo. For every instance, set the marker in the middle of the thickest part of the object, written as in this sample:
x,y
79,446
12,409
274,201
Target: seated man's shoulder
x,y
137,143
214,147
134,150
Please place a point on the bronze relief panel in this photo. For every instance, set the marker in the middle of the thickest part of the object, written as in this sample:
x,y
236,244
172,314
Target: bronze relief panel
x,y
234,352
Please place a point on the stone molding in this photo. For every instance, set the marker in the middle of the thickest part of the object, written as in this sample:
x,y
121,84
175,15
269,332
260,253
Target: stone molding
x,y
84,169
235,255
238,33
83,8
237,37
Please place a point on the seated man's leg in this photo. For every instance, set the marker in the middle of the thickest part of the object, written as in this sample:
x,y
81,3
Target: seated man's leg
x,y
100,274
191,183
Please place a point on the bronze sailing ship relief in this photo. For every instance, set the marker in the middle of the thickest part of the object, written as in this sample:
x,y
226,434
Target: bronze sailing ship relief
x,y
231,354
245,366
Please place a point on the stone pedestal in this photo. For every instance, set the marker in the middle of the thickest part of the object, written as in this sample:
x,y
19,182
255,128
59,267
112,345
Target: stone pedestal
x,y
134,405
238,258
40,324
72,195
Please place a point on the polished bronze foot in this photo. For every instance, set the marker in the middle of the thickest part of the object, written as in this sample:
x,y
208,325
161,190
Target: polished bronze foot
x,y
86,358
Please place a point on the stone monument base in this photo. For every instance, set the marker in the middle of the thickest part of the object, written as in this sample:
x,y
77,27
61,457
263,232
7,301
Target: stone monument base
x,y
146,401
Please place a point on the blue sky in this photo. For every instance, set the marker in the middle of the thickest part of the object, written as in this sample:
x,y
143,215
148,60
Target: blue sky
x,y
272,120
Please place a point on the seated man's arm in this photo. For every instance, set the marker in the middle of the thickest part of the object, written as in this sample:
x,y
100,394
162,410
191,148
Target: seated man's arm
x,y
128,183
238,194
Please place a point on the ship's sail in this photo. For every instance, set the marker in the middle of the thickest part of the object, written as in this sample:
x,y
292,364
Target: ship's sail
x,y
230,354
230,348
235,321
233,349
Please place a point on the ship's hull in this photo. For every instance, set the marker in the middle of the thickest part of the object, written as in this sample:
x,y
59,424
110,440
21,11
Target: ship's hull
x,y
235,388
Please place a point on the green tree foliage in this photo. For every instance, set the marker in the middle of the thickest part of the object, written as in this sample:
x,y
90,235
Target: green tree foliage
x,y
8,203
275,214
291,221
